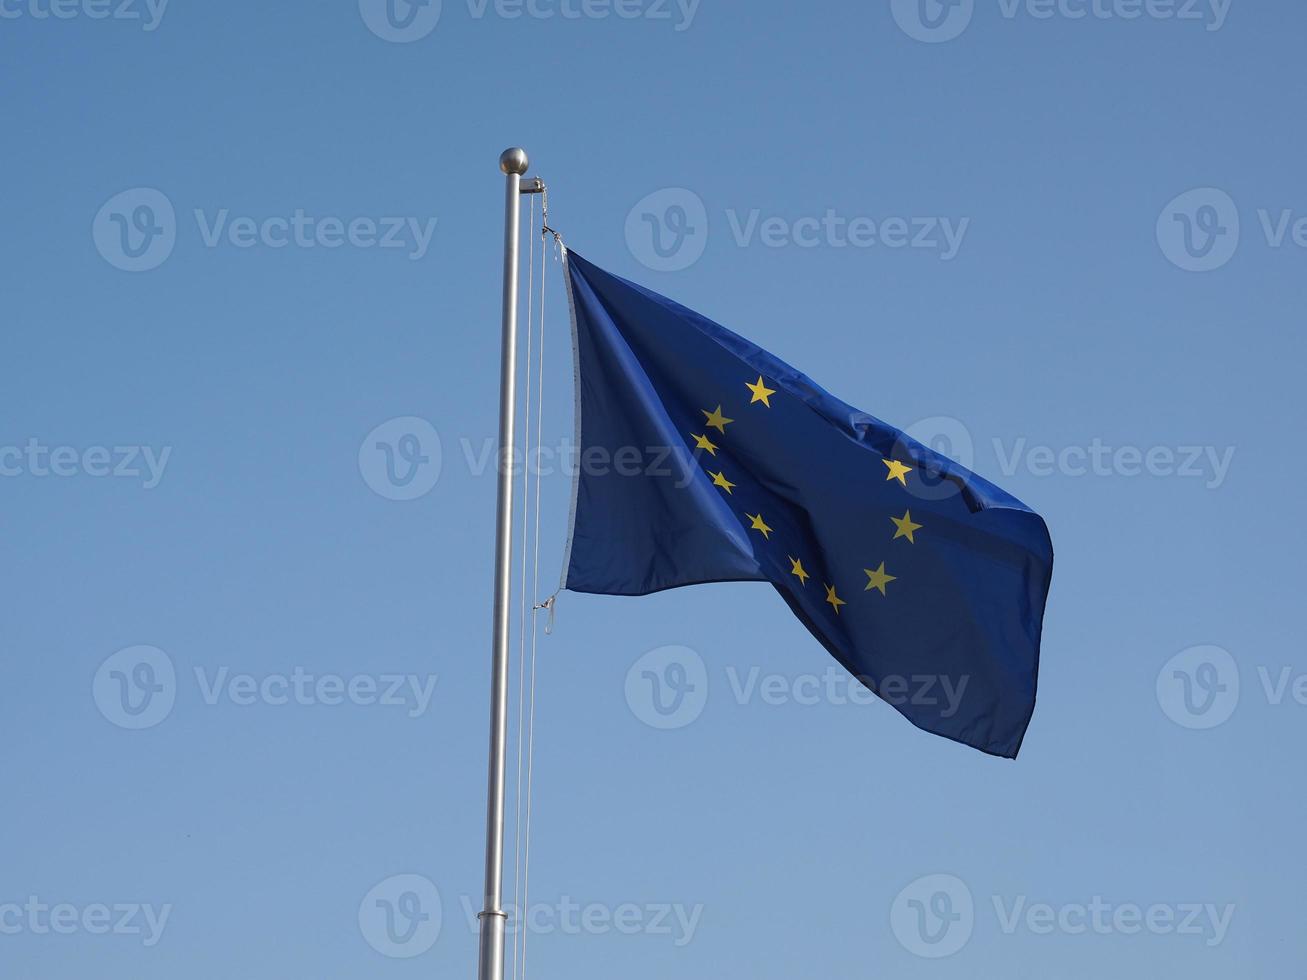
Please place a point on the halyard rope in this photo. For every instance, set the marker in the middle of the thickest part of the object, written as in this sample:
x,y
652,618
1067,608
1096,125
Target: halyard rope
x,y
531,502
521,654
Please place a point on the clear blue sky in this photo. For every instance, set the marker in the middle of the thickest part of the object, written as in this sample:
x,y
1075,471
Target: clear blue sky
x,y
1078,312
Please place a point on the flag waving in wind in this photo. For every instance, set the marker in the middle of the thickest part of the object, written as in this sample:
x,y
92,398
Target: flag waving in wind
x,y
925,581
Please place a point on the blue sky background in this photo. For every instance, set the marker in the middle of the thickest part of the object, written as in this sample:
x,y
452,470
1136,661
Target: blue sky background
x,y
1064,320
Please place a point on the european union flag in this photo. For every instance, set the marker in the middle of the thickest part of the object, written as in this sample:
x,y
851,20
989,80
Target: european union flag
x,y
706,459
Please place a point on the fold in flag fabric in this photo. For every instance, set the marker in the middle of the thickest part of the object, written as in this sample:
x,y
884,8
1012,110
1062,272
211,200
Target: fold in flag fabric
x,y
724,464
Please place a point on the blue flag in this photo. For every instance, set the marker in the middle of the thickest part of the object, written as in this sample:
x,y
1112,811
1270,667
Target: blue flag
x,y
706,459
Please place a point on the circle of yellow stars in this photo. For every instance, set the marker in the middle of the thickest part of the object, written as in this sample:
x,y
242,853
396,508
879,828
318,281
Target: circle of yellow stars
x,y
878,579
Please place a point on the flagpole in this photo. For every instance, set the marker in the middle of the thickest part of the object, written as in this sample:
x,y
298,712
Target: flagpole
x,y
513,163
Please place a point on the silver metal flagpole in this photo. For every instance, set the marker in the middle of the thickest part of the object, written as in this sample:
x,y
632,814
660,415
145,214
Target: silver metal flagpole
x,y
513,162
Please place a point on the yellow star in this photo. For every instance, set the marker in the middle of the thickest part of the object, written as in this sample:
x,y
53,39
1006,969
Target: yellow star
x,y
759,524
905,527
878,579
760,392
716,420
701,442
897,470
834,600
797,570
721,481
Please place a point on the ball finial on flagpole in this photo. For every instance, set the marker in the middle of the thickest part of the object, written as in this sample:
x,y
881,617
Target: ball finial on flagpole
x,y
513,161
